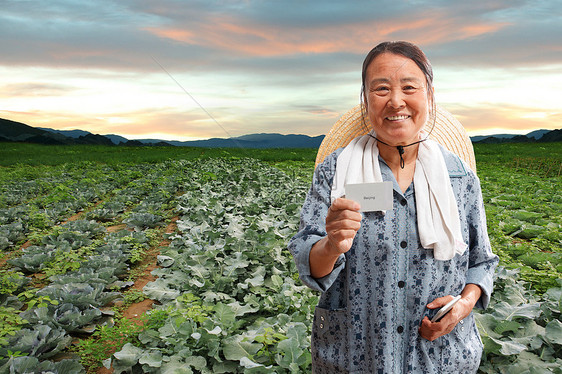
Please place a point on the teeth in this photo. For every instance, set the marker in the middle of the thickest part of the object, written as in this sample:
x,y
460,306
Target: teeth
x,y
396,118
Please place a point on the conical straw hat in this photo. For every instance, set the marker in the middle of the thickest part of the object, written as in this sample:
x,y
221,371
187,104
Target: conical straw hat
x,y
448,131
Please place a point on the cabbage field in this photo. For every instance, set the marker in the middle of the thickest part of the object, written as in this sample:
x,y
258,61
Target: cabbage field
x,y
81,227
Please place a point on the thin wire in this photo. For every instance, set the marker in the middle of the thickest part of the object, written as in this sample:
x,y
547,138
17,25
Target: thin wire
x,y
197,102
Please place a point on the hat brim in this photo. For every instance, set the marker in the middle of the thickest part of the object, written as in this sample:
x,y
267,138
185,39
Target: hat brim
x,y
448,131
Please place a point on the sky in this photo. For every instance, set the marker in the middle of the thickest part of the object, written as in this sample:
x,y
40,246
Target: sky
x,y
190,69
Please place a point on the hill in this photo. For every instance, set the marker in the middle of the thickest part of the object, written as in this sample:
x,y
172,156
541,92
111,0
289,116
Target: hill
x,y
19,132
11,131
537,135
258,141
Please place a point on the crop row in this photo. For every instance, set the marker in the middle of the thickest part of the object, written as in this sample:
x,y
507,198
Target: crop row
x,y
230,299
28,207
79,266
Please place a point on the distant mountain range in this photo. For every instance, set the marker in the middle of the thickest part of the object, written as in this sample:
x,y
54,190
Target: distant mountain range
x,y
11,131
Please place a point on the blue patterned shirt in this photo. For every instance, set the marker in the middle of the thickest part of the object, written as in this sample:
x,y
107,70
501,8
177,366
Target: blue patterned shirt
x,y
373,301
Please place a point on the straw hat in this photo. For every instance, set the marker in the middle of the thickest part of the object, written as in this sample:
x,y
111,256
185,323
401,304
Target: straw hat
x,y
448,131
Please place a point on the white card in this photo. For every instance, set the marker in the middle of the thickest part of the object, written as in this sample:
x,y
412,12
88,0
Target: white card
x,y
371,196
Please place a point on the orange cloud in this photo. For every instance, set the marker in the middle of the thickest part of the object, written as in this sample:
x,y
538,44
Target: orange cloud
x,y
482,118
254,39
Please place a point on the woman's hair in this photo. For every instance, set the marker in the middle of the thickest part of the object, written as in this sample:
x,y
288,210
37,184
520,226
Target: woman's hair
x,y
407,50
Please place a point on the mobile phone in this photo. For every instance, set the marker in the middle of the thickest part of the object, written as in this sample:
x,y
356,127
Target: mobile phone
x,y
445,309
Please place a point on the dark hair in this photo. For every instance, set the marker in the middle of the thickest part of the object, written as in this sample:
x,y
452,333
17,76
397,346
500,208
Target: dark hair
x,y
405,49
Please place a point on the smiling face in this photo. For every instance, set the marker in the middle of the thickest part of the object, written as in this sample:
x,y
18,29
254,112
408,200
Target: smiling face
x,y
396,98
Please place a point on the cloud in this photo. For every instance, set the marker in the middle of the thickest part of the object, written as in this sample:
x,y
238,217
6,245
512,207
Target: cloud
x,y
35,89
279,66
202,35
483,118
254,38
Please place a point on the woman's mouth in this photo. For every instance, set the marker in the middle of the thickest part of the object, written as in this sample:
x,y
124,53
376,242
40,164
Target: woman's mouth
x,y
397,118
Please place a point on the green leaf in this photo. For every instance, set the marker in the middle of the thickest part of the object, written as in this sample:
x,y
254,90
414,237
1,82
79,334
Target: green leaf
x,y
508,312
486,324
509,347
553,331
225,314
128,356
524,215
249,364
236,347
240,310
175,366
504,326
290,351
160,290
528,362
197,362
152,358
24,364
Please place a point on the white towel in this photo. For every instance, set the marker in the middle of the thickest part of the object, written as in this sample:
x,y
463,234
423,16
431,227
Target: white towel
x,y
438,217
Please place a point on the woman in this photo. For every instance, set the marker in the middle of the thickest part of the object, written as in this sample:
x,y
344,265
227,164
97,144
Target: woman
x,y
381,274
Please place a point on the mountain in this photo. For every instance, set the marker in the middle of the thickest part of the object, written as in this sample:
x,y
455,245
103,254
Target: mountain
x,y
116,139
534,136
11,131
537,134
477,138
20,132
70,133
244,141
260,141
552,136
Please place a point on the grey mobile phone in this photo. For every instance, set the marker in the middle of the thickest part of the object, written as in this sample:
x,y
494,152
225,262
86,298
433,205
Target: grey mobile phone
x,y
445,309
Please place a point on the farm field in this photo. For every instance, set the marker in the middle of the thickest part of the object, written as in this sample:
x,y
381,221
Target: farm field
x,y
173,260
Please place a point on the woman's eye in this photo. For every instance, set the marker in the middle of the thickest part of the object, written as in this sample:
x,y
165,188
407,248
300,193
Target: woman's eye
x,y
409,88
381,89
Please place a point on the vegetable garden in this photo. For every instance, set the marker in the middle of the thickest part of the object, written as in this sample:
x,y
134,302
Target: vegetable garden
x,y
76,236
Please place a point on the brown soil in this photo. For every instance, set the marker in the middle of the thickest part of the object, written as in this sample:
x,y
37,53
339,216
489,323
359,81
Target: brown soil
x,y
116,228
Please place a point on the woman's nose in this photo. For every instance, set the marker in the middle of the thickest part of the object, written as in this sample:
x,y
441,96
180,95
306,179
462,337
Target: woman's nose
x,y
396,99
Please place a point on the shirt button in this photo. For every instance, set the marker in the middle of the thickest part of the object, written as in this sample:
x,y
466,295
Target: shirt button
x,y
403,244
321,325
400,329
401,284
403,202
321,318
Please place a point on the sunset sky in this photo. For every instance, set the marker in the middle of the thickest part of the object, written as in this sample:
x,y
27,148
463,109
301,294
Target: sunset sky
x,y
268,66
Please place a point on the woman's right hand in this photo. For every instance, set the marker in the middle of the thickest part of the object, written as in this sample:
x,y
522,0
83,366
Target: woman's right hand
x,y
342,223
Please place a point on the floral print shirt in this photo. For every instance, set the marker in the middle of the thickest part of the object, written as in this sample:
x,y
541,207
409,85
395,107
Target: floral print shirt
x,y
373,301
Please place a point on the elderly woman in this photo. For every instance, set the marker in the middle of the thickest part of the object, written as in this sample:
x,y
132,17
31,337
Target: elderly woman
x,y
382,274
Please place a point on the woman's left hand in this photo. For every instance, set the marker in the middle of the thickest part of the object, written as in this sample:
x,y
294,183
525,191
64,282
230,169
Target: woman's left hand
x,y
433,330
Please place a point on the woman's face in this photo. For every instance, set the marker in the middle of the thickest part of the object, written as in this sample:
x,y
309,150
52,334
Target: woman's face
x,y
397,99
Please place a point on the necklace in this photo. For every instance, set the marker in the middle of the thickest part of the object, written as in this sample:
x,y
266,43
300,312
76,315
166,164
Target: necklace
x,y
399,148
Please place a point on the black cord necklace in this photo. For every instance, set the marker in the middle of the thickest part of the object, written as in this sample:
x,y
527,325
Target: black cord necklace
x,y
400,148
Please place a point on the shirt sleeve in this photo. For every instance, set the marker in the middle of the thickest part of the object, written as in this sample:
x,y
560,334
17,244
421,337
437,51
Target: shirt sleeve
x,y
313,226
482,262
